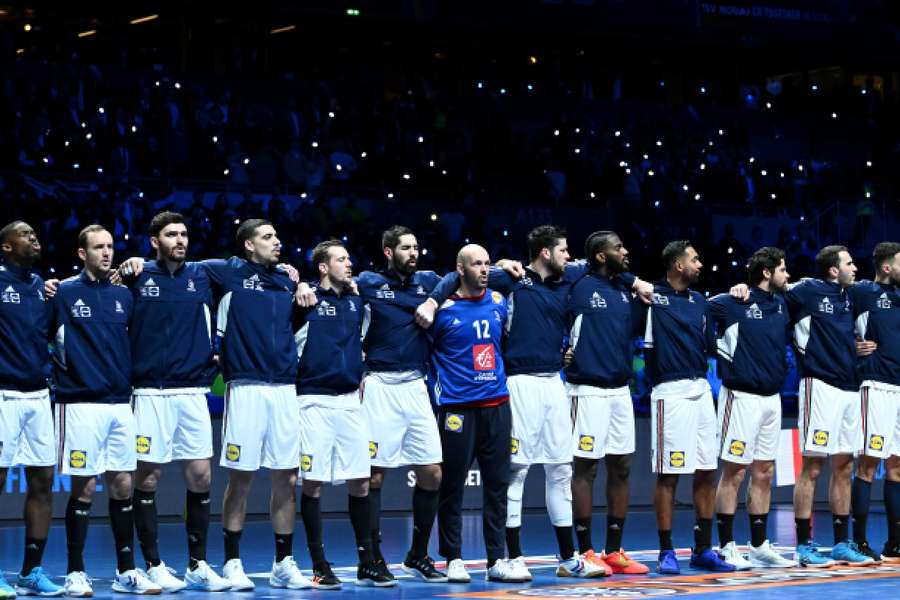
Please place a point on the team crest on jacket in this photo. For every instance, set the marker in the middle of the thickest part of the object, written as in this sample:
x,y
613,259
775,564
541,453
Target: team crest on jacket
x,y
190,286
497,297
883,302
597,301
11,296
754,312
253,283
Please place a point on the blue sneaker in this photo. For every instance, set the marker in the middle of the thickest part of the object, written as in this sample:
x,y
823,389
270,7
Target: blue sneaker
x,y
37,583
710,561
667,564
5,590
808,555
847,553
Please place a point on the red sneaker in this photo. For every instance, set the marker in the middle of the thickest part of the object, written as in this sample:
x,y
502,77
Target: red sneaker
x,y
598,561
620,563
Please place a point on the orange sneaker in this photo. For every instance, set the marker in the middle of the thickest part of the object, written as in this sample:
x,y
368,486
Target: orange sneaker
x,y
592,558
620,563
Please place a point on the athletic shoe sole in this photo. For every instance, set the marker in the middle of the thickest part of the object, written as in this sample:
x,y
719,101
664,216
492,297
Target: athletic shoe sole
x,y
116,587
379,584
418,576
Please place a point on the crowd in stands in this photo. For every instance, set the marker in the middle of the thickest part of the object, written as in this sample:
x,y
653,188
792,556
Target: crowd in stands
x,y
455,157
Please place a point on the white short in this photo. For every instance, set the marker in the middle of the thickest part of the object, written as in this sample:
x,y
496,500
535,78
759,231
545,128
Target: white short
x,y
261,427
27,436
880,419
95,438
828,419
334,441
683,426
749,426
402,426
604,421
541,420
172,425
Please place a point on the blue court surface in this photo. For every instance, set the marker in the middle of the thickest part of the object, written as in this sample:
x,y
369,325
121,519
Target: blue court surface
x,y
538,543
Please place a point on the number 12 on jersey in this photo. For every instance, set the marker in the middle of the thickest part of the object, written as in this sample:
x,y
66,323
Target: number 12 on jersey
x,y
482,329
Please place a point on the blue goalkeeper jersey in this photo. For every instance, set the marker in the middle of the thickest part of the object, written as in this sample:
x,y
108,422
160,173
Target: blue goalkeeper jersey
x,y
467,336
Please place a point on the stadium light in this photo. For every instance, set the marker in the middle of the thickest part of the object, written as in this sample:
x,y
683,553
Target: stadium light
x,y
283,29
27,27
87,33
146,19
353,12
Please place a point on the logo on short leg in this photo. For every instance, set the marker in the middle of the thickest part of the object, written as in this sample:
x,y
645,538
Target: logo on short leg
x,y
876,442
373,449
306,462
737,448
142,444
514,446
676,459
453,422
820,437
586,443
77,459
232,453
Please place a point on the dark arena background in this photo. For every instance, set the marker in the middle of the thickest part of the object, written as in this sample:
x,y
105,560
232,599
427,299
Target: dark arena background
x,y
735,124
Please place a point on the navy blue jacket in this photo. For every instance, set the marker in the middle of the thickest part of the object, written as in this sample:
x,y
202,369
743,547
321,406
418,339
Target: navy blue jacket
x,y
393,341
92,351
752,341
24,328
877,310
171,332
329,344
603,327
254,321
822,314
677,337
537,323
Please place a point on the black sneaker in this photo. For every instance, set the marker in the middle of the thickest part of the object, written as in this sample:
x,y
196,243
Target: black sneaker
x,y
369,574
891,552
382,566
866,549
422,568
324,578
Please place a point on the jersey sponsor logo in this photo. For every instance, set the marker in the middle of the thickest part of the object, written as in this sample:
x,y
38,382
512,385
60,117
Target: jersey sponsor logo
x,y
483,358
142,444
597,301
150,289
825,306
119,308
11,296
820,437
77,459
676,459
754,312
497,297
385,292
660,300
232,452
737,448
253,283
80,310
453,422
306,462
326,310
883,302
876,442
190,286
373,449
586,443
514,446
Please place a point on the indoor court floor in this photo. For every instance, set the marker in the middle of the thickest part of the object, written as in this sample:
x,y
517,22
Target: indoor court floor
x,y
538,543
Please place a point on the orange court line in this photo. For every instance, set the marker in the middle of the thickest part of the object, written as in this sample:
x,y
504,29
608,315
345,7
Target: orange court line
x,y
706,583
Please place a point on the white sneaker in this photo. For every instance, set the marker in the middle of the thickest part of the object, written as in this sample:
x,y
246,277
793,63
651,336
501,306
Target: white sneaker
x,y
135,581
233,571
578,567
456,572
78,585
502,571
285,574
519,568
765,556
165,578
733,556
204,579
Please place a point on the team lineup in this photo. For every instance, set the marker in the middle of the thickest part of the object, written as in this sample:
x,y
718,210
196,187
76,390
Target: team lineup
x,y
329,383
